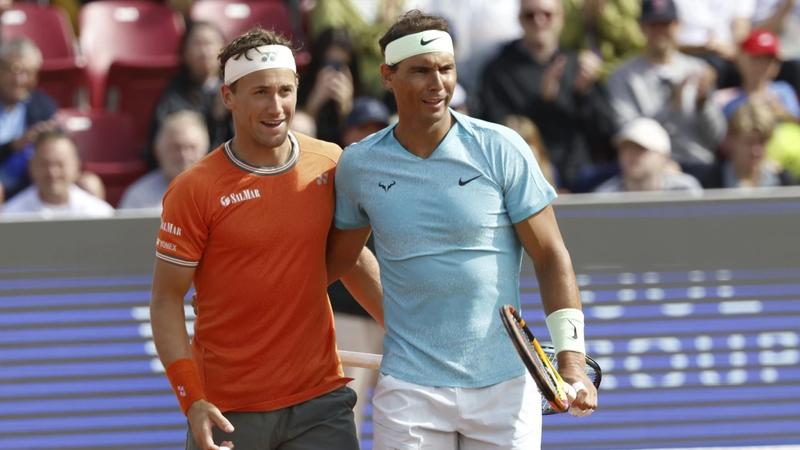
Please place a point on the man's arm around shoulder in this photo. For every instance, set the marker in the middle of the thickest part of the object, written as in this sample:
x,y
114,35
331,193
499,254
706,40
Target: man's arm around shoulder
x,y
350,260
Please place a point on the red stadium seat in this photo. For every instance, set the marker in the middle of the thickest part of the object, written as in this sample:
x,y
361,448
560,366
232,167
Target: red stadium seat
x,y
105,143
234,17
123,30
66,82
47,26
134,87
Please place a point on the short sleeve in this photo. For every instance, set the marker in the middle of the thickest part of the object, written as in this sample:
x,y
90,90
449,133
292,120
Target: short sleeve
x,y
349,213
183,232
525,189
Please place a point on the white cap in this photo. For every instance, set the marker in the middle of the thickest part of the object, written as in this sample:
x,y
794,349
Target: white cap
x,y
646,132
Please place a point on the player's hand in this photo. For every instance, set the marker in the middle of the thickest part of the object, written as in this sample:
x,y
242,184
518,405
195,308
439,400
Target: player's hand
x,y
571,366
203,416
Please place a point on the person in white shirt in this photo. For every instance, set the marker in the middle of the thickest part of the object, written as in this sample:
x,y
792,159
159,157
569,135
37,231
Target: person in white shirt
x,y
181,141
644,160
54,169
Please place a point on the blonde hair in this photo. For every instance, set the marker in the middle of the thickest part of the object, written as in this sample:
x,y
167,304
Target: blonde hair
x,y
756,115
533,137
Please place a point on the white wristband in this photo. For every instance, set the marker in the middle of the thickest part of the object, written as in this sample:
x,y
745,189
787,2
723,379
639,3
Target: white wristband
x,y
566,330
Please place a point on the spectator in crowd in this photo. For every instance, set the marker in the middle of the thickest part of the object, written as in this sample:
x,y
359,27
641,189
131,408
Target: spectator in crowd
x,y
749,131
531,134
712,30
643,146
196,85
479,29
782,17
330,83
672,88
55,168
25,112
181,141
304,124
365,21
609,28
556,89
368,116
759,64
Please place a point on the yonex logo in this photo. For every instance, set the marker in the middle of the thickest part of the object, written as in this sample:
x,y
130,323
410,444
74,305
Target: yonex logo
x,y
322,179
247,194
386,187
269,57
181,390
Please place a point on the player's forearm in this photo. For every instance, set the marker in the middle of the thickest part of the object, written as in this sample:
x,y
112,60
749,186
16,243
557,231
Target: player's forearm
x,y
363,283
168,322
557,283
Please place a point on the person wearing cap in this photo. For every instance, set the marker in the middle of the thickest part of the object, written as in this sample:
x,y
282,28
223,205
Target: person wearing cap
x,y
249,226
368,116
643,149
671,87
452,202
759,63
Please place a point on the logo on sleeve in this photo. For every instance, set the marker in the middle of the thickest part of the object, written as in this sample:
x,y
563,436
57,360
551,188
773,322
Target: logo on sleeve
x,y
171,229
237,197
386,187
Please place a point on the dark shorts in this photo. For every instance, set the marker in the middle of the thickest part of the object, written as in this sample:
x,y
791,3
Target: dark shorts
x,y
325,422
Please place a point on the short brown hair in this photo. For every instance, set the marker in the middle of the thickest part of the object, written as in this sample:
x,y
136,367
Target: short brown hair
x,y
256,37
412,22
52,135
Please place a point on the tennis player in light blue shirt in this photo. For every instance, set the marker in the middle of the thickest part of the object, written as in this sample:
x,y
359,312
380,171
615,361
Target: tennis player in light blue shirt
x,y
452,201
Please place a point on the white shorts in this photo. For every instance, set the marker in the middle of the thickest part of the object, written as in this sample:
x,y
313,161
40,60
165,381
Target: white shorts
x,y
407,416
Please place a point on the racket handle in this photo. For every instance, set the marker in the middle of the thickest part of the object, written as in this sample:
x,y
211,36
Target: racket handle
x,y
370,361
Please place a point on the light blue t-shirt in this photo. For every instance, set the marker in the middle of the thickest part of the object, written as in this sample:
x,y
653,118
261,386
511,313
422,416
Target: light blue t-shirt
x,y
446,245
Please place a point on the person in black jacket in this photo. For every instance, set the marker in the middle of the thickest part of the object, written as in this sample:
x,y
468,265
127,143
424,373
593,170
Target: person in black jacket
x,y
196,86
25,112
557,89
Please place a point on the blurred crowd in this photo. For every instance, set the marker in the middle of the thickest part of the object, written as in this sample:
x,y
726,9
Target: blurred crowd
x,y
611,95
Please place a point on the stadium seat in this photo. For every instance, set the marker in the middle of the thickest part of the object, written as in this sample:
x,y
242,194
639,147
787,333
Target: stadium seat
x,y
45,25
134,87
65,81
234,17
124,30
106,146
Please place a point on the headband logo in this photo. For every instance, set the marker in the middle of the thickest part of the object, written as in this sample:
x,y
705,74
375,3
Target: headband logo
x,y
269,57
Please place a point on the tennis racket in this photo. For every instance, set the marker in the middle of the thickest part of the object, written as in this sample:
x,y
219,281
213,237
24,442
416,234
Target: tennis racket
x,y
358,359
540,360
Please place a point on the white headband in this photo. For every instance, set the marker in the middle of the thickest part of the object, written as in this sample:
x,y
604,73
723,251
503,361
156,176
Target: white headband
x,y
265,57
428,41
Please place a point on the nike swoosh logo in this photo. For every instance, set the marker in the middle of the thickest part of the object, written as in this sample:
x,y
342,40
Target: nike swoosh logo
x,y
422,41
574,330
465,182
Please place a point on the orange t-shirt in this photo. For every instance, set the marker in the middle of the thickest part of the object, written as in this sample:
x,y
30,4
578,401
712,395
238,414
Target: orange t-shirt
x,y
264,334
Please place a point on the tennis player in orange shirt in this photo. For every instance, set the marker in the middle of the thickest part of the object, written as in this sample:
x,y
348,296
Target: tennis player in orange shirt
x,y
249,225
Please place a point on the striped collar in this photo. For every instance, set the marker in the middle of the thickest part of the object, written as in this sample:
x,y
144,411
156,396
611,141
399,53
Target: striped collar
x,y
266,170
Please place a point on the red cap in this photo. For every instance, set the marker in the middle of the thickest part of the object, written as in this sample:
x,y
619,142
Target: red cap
x,y
762,42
